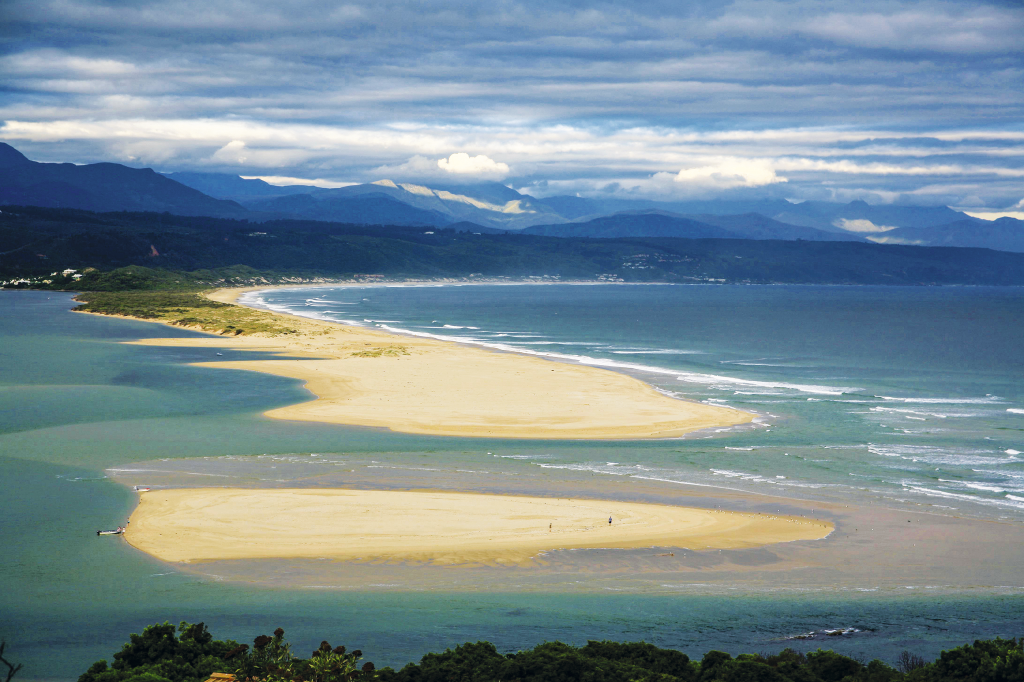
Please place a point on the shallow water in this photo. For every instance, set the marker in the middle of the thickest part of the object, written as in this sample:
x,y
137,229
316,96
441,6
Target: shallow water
x,y
74,403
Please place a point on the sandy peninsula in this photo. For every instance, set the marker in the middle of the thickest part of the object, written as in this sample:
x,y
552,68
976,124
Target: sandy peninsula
x,y
204,524
365,377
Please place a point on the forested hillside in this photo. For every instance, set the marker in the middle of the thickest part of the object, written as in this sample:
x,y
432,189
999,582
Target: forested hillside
x,y
37,245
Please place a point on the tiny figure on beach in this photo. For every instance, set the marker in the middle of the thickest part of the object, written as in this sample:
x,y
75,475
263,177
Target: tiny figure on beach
x,y
609,520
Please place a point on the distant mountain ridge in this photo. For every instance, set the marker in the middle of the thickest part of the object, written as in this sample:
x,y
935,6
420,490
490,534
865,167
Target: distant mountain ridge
x,y
235,188
101,187
662,224
490,206
1004,234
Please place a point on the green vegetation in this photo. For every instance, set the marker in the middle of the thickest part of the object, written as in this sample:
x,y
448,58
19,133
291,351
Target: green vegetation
x,y
384,351
185,309
162,251
157,655
160,655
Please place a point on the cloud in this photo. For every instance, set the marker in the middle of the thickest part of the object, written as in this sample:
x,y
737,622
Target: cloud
x,y
941,167
461,163
728,173
861,225
934,28
894,240
996,215
889,100
285,181
416,167
232,152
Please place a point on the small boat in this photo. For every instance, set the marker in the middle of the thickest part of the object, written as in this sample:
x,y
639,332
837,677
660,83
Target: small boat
x,y
220,354
118,531
142,488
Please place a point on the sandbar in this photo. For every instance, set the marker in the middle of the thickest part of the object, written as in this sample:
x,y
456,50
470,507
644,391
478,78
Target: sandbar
x,y
366,377
206,524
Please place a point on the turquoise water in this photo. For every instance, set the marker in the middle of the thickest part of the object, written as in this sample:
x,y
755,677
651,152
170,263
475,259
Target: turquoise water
x,y
914,396
74,402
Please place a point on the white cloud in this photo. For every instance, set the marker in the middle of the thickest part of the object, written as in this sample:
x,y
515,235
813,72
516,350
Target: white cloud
x,y
286,181
816,163
417,166
861,226
895,240
462,163
729,173
996,215
49,62
232,152
930,28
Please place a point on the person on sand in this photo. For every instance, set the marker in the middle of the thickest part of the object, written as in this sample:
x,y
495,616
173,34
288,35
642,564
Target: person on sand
x,y
609,520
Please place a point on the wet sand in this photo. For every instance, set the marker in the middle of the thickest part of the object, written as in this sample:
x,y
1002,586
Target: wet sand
x,y
203,524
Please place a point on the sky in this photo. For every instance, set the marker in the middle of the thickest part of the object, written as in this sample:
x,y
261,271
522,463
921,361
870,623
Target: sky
x,y
890,102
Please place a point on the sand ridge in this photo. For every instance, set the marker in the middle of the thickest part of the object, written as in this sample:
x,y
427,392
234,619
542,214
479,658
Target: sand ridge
x,y
203,524
365,377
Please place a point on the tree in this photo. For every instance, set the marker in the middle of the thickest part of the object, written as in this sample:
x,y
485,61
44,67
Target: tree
x,y
271,660
12,669
162,652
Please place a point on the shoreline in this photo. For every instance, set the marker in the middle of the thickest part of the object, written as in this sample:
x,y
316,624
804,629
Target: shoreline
x,y
410,384
434,527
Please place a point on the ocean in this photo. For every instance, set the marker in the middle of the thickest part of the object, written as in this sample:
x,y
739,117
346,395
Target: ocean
x,y
908,398
905,395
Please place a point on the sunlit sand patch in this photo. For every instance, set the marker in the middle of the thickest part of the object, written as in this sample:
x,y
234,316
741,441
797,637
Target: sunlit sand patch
x,y
365,377
188,525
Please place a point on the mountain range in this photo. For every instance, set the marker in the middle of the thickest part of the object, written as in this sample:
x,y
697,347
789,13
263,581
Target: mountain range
x,y
102,187
488,207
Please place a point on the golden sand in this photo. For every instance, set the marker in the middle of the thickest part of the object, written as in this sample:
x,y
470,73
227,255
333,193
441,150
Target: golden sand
x,y
365,377
200,524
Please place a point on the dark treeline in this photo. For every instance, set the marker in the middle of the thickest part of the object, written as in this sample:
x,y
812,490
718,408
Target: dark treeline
x,y
35,242
190,654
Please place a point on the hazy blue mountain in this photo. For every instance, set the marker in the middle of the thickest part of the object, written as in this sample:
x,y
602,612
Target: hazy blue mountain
x,y
1004,234
573,208
662,224
829,216
820,215
635,224
488,204
757,226
369,208
492,205
225,186
101,187
585,208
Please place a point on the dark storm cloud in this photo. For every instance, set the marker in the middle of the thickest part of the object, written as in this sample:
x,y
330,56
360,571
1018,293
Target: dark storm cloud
x,y
918,101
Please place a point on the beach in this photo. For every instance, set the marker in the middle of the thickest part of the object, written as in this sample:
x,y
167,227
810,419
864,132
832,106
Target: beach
x,y
204,524
366,377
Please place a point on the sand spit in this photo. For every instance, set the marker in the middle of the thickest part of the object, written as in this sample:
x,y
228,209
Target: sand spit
x,y
365,377
204,524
